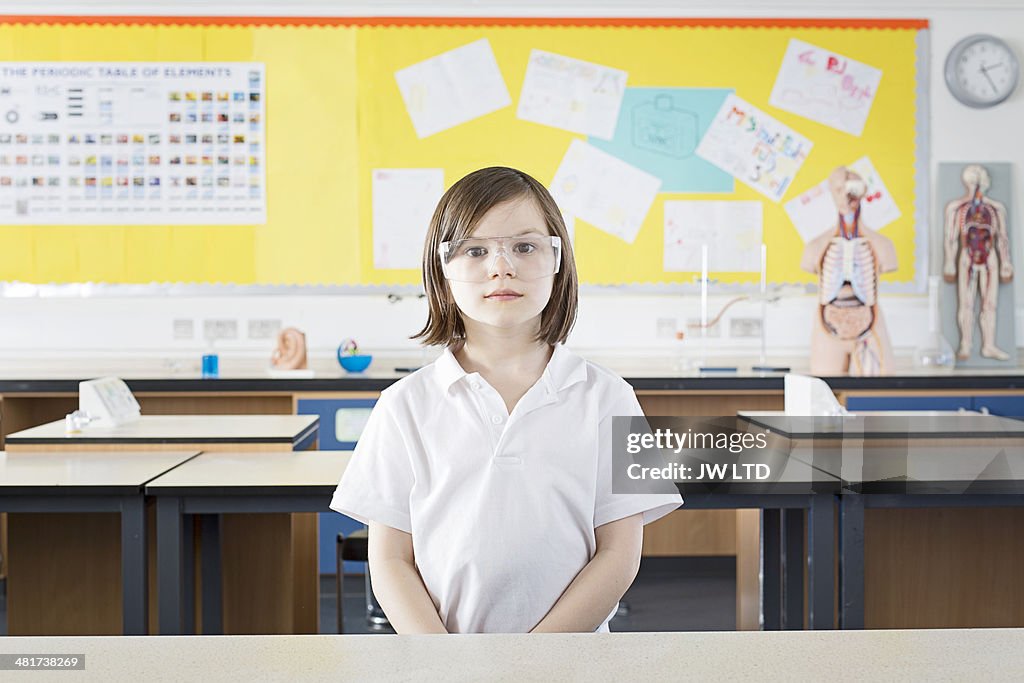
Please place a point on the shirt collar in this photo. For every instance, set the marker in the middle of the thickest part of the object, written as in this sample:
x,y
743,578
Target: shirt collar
x,y
564,369
447,370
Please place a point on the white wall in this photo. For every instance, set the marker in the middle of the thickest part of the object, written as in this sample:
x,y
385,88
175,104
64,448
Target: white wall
x,y
37,325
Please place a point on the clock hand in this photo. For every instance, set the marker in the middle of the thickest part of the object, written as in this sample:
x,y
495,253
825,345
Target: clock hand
x,y
984,72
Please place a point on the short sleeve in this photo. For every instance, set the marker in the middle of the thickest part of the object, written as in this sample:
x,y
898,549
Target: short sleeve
x,y
379,478
609,506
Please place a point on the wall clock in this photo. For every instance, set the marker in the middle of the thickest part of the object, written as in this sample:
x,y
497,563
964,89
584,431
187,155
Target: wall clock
x,y
981,71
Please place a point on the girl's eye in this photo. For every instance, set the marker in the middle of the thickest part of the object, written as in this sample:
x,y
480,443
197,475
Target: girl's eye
x,y
475,252
524,248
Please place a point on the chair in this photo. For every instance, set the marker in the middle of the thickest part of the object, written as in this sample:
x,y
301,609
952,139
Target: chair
x,y
355,548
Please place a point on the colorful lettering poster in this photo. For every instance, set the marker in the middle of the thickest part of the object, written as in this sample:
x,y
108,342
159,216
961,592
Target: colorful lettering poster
x,y
658,131
452,88
733,232
754,148
403,202
813,212
567,93
132,143
604,191
826,87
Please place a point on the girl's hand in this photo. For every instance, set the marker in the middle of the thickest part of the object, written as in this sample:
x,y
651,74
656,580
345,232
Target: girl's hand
x,y
599,586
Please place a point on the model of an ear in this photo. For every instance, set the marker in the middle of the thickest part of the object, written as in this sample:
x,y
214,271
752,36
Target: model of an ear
x,y
290,353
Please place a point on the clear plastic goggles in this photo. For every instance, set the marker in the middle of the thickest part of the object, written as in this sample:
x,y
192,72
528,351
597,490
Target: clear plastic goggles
x,y
530,257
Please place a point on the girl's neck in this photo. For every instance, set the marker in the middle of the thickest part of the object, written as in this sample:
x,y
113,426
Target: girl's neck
x,y
493,354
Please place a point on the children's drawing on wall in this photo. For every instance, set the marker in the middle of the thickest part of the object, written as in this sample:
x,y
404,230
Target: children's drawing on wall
x,y
659,130
732,231
452,88
814,210
848,333
977,261
603,190
571,94
826,87
403,201
755,148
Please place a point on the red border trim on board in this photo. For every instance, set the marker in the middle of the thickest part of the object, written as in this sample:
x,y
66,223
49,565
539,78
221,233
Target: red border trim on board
x,y
464,21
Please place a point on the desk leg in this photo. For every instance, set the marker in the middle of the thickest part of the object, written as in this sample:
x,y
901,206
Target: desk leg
x,y
133,565
213,602
169,562
188,579
851,561
820,562
793,569
771,581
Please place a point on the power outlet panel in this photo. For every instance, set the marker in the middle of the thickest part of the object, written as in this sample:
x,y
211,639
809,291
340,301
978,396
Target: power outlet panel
x,y
263,328
220,328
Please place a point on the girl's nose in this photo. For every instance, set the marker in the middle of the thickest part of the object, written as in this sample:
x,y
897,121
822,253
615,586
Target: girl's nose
x,y
501,265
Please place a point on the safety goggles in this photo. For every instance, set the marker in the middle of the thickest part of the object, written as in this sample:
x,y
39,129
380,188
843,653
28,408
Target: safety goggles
x,y
530,257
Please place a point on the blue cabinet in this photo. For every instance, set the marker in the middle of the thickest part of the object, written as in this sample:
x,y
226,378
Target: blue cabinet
x,y
1003,405
341,423
855,403
1007,406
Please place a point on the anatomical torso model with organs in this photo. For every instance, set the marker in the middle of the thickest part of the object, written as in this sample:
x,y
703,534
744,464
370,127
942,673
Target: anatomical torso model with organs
x,y
848,333
977,259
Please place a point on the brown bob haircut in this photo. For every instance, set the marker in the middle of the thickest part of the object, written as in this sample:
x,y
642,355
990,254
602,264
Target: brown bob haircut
x,y
457,216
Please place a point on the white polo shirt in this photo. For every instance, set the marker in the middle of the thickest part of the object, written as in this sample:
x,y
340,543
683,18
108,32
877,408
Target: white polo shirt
x,y
502,508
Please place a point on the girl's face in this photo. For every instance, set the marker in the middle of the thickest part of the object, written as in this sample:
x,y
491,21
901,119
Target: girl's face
x,y
504,301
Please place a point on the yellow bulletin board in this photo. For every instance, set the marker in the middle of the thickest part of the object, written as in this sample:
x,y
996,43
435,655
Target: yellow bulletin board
x,y
334,113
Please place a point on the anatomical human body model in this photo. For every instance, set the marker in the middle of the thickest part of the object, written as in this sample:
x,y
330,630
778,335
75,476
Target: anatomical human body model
x,y
977,259
848,333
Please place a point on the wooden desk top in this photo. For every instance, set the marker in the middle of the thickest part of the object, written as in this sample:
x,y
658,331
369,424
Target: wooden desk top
x,y
190,429
940,654
72,473
280,472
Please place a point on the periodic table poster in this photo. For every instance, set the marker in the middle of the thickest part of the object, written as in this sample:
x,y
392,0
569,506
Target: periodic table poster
x,y
132,143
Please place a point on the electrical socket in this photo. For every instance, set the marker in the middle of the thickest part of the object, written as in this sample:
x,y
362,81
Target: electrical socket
x,y
666,328
184,328
220,328
745,328
263,328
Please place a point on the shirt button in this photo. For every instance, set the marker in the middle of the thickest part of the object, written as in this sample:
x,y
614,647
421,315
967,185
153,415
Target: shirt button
x,y
496,419
476,385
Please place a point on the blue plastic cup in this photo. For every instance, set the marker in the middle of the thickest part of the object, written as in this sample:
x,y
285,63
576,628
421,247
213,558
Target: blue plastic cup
x,y
211,366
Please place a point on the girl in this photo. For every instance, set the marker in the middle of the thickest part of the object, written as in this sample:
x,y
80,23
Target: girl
x,y
485,477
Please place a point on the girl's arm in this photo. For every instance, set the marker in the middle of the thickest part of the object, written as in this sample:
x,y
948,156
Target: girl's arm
x,y
595,591
397,583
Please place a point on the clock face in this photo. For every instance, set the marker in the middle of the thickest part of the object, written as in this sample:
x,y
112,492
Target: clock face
x,y
982,71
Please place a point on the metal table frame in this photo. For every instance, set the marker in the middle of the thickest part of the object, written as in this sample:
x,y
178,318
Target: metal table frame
x,y
129,502
782,539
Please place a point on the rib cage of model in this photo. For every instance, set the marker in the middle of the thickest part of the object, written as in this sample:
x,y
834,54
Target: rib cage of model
x,y
848,333
977,259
